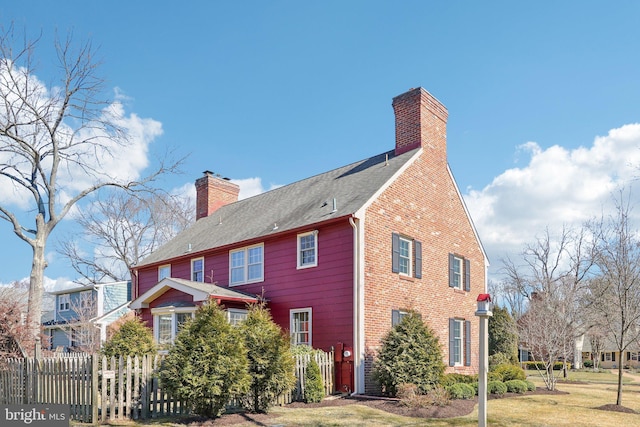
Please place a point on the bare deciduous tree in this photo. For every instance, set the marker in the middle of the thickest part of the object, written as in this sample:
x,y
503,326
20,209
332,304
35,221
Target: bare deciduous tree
x,y
615,294
59,143
122,230
546,290
83,334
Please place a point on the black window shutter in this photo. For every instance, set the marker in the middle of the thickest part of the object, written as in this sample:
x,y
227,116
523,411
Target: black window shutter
x,y
613,356
395,253
602,357
467,275
451,284
467,343
418,248
452,359
628,355
395,317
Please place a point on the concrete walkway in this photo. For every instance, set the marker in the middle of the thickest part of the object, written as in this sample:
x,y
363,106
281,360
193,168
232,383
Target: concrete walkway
x,y
632,376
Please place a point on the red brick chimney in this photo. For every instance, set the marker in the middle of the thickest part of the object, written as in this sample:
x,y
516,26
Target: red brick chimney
x,y
212,192
421,121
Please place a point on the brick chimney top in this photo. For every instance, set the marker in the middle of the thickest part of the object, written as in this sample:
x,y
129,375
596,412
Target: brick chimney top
x,y
421,121
213,192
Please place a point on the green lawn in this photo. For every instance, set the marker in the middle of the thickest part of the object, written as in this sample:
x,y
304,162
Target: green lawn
x,y
577,408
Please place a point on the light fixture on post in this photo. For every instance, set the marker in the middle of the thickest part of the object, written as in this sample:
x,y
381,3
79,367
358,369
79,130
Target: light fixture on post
x,y
484,311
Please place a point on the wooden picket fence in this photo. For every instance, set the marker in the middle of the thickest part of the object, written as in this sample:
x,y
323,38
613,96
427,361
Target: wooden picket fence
x,y
100,389
65,381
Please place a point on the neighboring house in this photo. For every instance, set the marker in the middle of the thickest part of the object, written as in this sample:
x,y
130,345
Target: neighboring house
x,y
340,257
610,356
82,314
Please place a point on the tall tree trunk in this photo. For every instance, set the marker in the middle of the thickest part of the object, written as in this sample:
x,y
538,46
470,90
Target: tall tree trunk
x,y
36,289
619,398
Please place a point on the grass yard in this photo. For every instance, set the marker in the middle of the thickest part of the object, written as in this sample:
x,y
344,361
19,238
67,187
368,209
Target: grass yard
x,y
577,408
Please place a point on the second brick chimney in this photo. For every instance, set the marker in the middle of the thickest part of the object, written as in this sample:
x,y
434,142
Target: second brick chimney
x,y
212,192
421,121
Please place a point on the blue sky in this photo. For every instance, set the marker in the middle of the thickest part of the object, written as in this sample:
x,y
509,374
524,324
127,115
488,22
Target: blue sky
x,y
543,97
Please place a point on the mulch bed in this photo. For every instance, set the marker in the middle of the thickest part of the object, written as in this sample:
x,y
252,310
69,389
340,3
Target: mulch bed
x,y
456,408
616,408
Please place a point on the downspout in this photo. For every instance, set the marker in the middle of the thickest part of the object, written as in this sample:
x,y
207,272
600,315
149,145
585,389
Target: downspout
x,y
358,307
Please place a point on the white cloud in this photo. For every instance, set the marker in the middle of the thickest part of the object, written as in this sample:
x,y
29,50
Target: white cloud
x,y
558,186
252,187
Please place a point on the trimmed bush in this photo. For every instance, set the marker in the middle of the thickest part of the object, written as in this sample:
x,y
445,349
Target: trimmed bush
x,y
516,386
510,372
410,353
313,386
530,385
494,376
496,387
461,391
451,379
588,363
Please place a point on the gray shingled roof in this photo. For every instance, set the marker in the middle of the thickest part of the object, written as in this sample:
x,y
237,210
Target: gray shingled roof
x,y
211,289
300,204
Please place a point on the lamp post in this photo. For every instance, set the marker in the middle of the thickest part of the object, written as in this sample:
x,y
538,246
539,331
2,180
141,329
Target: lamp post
x,y
483,312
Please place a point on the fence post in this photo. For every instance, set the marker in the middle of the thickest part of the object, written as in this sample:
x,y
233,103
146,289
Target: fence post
x,y
94,389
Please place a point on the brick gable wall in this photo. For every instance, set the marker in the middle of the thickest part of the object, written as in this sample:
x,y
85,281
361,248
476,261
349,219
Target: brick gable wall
x,y
421,204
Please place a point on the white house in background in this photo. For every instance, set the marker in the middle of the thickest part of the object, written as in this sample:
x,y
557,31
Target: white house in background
x,y
78,310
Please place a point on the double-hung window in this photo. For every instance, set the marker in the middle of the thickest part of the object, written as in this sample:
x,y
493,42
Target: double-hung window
x,y
459,342
308,249
197,270
459,273
63,302
406,256
164,271
300,326
246,265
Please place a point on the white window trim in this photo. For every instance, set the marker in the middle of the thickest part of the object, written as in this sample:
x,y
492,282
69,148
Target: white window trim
x,y
246,265
457,259
168,267
302,310
192,262
607,356
315,250
410,257
156,312
460,361
65,301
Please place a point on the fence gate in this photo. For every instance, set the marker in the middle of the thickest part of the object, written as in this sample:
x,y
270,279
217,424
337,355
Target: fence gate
x,y
64,381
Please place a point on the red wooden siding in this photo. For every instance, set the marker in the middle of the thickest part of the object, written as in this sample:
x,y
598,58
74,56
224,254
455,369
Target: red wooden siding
x,y
326,288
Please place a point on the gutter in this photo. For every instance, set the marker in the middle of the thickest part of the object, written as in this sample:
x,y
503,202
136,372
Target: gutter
x,y
358,305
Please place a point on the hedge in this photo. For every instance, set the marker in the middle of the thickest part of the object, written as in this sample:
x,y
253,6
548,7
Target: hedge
x,y
557,366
